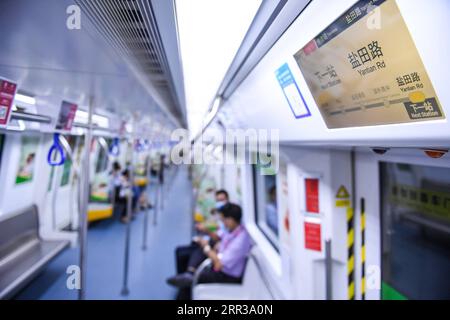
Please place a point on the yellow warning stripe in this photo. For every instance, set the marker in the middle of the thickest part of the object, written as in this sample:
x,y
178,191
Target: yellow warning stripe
x,y
350,237
351,254
351,291
351,265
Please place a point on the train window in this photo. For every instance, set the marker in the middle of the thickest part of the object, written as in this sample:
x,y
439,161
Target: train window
x,y
415,226
67,167
28,150
102,161
100,180
266,212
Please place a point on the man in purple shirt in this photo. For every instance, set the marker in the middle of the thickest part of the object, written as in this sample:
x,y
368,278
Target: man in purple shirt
x,y
228,256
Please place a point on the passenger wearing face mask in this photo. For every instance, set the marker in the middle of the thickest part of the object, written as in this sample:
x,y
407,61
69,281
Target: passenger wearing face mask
x,y
228,256
214,228
189,257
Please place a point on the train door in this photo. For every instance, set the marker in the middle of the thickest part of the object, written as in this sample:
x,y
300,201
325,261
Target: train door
x,y
406,239
415,228
60,200
100,206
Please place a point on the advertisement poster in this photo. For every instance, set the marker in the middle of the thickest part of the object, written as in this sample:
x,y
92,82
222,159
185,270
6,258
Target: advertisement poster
x,y
27,159
364,70
66,116
99,188
7,93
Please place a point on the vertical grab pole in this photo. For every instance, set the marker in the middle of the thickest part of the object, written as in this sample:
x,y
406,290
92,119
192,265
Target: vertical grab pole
x,y
363,248
54,194
351,234
156,210
84,204
328,270
125,290
161,195
161,182
144,236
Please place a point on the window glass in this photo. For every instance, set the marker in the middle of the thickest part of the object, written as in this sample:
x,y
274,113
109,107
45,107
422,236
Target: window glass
x,y
415,226
67,167
266,209
102,160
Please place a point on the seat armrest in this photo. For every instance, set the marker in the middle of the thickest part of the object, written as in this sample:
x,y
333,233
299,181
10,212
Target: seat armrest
x,y
205,264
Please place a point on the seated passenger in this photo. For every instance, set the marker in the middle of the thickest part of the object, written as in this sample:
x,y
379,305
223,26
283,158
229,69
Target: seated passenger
x,y
115,181
189,257
228,256
125,188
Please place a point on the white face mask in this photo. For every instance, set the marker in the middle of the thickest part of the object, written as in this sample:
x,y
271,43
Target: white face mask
x,y
220,204
222,226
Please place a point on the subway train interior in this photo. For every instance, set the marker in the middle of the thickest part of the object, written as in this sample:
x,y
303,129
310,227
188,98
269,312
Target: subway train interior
x,y
209,150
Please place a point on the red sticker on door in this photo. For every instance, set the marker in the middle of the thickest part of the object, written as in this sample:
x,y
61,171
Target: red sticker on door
x,y
312,195
313,239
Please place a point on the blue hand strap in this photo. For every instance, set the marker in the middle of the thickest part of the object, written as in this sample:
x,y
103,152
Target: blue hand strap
x,y
56,147
114,148
139,147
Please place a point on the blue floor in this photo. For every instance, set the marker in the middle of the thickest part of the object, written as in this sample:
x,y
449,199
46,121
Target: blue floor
x,y
106,243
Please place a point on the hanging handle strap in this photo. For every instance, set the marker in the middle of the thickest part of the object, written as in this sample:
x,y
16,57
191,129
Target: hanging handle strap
x,y
138,145
114,148
56,149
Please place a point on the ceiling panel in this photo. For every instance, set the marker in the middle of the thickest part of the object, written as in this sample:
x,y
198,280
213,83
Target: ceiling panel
x,y
52,62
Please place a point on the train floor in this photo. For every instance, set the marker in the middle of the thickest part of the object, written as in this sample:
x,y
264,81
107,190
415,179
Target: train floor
x,y
105,254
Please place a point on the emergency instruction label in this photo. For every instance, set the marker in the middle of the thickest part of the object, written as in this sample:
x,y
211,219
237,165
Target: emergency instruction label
x,y
364,69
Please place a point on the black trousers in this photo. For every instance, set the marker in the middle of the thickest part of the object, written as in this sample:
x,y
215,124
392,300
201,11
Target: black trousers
x,y
190,256
210,276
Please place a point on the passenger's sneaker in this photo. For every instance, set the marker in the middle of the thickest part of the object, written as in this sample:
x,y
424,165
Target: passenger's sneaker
x,y
182,280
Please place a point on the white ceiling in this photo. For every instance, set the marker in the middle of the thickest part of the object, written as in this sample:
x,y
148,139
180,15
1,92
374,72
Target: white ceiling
x,y
52,62
211,32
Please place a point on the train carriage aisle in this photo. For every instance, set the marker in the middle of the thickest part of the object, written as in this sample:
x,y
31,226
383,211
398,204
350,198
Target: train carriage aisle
x,y
256,151
148,269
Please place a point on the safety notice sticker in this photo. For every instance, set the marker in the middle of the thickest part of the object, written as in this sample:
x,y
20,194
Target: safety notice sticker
x,y
292,92
342,197
364,69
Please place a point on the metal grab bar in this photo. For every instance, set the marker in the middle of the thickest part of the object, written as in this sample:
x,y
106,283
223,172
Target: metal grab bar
x,y
205,264
208,262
